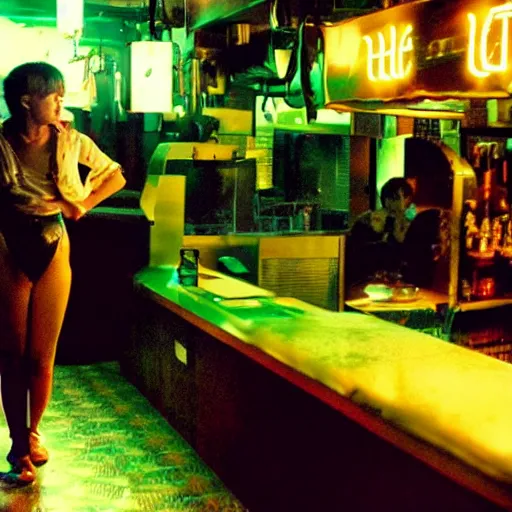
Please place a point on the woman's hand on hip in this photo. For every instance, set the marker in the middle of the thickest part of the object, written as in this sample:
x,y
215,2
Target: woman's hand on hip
x,y
69,210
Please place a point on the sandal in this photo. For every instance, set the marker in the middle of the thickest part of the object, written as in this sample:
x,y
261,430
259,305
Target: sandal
x,y
23,468
38,453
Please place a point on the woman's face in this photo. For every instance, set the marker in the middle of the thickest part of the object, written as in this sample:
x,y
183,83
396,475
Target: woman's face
x,y
45,110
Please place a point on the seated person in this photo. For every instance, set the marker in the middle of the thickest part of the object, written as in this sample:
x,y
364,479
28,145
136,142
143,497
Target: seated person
x,y
426,245
389,223
375,241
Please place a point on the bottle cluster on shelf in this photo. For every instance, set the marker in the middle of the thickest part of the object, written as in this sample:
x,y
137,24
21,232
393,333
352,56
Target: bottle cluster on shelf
x,y
486,256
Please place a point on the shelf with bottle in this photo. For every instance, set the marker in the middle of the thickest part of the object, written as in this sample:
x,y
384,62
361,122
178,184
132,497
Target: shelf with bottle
x,y
486,263
486,249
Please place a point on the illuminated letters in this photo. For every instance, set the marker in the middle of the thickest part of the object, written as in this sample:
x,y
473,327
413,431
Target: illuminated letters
x,y
488,61
388,62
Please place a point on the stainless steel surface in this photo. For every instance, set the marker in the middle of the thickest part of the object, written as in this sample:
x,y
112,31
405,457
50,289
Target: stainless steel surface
x,y
219,188
304,267
308,267
311,280
464,188
212,248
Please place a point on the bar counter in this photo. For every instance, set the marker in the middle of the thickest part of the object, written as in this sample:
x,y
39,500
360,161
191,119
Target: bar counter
x,y
443,405
421,314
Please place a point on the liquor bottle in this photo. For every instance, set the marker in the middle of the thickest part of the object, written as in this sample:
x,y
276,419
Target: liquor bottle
x,y
496,233
485,226
471,230
485,235
507,240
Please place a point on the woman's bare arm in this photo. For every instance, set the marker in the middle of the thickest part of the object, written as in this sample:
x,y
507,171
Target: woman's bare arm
x,y
110,186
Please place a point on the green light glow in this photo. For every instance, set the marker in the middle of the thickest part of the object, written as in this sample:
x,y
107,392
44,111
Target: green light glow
x,y
70,16
328,116
151,70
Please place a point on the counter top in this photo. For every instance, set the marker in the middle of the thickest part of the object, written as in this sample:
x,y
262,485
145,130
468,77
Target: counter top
x,y
270,234
116,211
412,389
426,299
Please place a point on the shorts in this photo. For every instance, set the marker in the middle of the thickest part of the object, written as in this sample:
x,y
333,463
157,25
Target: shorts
x,y
32,240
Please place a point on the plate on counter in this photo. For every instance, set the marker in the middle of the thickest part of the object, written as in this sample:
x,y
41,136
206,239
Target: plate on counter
x,y
392,293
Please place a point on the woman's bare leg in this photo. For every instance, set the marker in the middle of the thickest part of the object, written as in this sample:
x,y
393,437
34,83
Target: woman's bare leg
x,y
49,301
15,289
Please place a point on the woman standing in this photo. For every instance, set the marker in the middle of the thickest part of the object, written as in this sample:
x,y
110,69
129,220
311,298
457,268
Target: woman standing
x,y
39,184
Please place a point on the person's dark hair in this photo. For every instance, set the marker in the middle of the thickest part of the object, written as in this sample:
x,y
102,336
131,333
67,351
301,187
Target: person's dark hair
x,y
33,78
392,188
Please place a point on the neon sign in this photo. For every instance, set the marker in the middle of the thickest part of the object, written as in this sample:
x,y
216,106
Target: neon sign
x,y
388,60
488,61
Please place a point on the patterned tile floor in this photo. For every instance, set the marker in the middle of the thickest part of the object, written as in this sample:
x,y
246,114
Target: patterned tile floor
x,y
111,452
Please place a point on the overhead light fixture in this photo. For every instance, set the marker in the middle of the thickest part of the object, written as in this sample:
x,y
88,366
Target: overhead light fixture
x,y
70,17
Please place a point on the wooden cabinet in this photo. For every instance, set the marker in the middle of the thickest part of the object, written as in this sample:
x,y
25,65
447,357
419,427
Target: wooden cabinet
x,y
160,360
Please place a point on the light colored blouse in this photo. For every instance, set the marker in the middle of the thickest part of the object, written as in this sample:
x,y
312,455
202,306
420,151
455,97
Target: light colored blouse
x,y
32,194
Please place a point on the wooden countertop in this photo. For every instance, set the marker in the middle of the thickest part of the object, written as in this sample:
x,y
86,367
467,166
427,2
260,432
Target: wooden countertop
x,y
427,299
443,404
